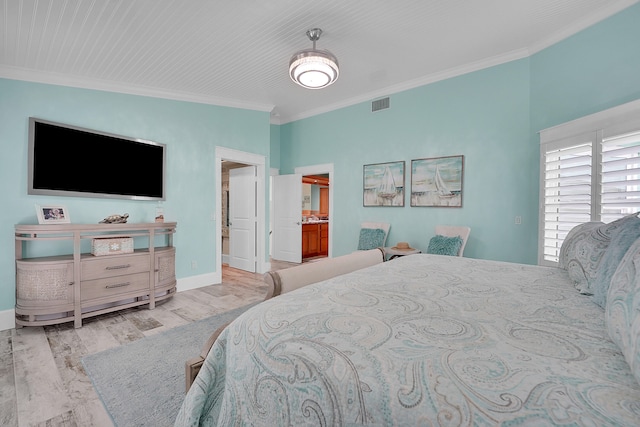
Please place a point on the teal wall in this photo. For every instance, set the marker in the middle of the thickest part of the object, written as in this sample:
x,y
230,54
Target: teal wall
x,y
190,131
275,146
591,71
483,116
491,117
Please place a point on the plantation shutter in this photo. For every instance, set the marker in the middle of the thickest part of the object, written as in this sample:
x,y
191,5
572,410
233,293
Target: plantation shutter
x,y
620,179
589,171
568,184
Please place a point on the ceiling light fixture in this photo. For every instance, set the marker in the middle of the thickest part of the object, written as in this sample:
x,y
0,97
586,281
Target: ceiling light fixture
x,y
314,68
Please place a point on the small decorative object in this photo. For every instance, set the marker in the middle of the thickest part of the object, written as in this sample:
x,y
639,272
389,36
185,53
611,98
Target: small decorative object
x,y
403,246
52,214
111,246
383,184
437,181
159,214
115,219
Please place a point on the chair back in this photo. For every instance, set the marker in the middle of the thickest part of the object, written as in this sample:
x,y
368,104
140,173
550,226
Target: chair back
x,y
384,226
453,231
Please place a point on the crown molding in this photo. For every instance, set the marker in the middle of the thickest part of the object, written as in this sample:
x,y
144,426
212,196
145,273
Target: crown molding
x,y
279,118
58,79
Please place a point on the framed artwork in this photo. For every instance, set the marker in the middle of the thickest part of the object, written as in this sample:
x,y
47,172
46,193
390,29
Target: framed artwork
x,y
52,214
383,184
437,181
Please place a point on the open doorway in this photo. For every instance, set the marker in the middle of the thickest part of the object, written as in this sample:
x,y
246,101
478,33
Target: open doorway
x,y
256,230
323,178
287,217
315,217
225,234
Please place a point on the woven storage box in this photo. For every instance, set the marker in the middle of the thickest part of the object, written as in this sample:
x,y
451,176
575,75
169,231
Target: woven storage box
x,y
112,246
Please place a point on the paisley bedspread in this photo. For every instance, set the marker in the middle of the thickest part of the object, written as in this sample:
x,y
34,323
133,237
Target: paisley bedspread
x,y
422,340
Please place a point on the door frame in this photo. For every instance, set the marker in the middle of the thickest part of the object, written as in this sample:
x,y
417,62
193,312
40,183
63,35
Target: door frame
x,y
250,159
316,170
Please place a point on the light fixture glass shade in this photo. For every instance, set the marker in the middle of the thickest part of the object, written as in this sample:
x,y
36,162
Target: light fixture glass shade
x,y
313,68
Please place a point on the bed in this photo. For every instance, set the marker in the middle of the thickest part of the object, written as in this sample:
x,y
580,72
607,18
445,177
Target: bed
x,y
436,341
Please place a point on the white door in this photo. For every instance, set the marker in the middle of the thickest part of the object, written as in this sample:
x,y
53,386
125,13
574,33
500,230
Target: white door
x,y
287,221
242,218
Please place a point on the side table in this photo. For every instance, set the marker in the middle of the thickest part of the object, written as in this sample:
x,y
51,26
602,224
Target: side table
x,y
395,253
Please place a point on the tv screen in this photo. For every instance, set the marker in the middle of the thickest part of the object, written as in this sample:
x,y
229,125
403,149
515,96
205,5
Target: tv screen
x,y
67,160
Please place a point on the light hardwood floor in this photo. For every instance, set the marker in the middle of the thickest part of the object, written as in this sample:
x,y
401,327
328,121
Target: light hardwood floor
x,y
42,381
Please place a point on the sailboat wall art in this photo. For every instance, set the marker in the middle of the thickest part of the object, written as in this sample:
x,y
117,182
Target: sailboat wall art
x,y
383,184
437,181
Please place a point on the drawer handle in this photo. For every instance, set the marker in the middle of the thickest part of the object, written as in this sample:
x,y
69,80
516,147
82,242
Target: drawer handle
x,y
118,285
118,267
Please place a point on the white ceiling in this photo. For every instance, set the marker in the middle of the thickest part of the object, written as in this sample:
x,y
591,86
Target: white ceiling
x,y
236,52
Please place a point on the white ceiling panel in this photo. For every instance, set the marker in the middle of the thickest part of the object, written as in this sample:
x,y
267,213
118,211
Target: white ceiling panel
x,y
236,53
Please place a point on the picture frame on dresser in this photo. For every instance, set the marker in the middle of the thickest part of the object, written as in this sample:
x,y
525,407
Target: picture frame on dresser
x,y
52,214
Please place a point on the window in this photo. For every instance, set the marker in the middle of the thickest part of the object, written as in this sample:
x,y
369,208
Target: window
x,y
590,171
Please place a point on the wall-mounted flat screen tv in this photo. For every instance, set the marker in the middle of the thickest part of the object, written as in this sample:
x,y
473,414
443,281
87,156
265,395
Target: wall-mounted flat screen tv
x,y
67,160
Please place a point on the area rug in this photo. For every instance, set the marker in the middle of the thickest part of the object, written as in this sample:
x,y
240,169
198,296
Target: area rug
x,y
143,383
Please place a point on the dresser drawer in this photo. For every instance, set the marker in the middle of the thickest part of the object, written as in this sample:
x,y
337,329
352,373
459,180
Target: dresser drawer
x,y
113,286
96,268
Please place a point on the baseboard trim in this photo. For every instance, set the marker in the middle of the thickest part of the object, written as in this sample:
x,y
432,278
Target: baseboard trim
x,y
7,319
194,282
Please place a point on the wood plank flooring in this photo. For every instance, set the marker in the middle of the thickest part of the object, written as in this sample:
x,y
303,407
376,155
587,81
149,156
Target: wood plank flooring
x,y
42,381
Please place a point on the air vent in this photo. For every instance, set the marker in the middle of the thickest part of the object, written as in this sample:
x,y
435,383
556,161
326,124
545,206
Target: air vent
x,y
380,104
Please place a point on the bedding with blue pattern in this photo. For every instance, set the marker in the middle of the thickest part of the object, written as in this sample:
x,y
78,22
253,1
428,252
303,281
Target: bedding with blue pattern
x,y
426,340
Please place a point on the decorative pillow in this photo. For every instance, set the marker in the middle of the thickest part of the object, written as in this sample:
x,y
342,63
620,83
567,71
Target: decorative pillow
x,y
623,307
370,238
623,234
577,233
619,224
581,252
584,247
443,245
